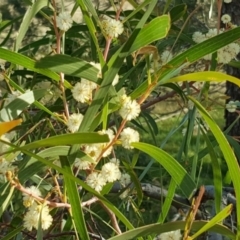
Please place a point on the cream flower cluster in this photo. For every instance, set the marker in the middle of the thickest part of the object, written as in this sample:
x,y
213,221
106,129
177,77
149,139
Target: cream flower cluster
x,y
93,151
28,199
112,28
74,121
129,109
32,217
109,173
128,136
231,106
83,91
225,54
64,21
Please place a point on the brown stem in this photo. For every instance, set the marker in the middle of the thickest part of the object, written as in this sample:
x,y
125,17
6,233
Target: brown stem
x,y
112,218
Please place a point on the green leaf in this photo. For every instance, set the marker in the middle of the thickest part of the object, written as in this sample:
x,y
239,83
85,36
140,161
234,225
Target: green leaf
x,y
28,63
171,226
68,139
13,233
30,13
15,108
69,65
218,218
227,151
217,174
157,29
74,199
177,12
168,202
177,172
205,77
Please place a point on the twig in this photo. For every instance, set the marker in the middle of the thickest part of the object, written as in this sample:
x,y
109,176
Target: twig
x,y
112,217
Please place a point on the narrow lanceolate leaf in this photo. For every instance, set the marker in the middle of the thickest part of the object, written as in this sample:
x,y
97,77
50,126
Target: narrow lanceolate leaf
x,y
68,139
205,77
74,199
30,13
171,226
69,65
28,63
228,154
177,172
218,218
15,108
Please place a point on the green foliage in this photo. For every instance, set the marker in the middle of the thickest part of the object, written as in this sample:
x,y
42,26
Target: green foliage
x,y
78,108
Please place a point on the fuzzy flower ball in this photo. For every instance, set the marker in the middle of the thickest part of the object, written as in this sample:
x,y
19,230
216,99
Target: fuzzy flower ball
x,y
127,136
130,109
64,21
32,217
74,122
96,181
226,18
112,28
231,106
111,172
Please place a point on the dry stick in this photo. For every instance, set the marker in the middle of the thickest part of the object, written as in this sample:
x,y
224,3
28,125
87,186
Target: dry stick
x,y
112,217
18,186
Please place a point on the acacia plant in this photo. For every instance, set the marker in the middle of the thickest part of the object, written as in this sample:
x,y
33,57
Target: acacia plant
x,y
76,104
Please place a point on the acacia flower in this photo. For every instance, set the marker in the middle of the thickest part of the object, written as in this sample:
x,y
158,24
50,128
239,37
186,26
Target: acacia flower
x,y
231,106
111,172
125,179
226,18
74,122
83,164
96,181
28,199
64,21
82,91
130,109
127,136
33,214
112,28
